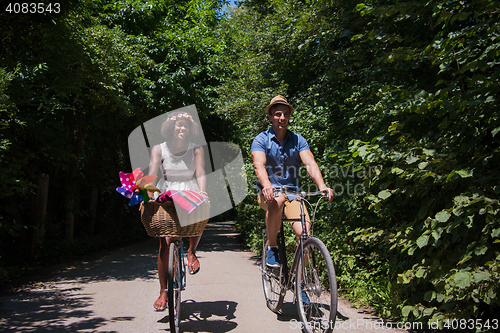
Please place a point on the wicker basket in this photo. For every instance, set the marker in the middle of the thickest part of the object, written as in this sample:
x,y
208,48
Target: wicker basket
x,y
162,220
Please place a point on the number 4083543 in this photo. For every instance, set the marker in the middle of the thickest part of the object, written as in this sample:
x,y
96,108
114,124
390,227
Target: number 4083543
x,y
462,324
32,8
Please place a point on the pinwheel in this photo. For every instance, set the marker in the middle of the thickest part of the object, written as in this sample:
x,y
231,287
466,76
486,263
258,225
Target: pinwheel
x,y
135,186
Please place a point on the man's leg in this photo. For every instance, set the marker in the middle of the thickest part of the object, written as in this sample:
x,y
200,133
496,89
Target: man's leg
x,y
273,219
274,211
292,211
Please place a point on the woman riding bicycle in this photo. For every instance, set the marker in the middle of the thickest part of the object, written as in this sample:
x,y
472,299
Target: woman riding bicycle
x,y
183,168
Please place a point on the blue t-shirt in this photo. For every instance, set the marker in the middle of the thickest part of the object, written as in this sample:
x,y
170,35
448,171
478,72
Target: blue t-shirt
x,y
282,161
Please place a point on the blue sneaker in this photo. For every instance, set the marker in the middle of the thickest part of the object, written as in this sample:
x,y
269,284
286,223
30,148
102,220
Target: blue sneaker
x,y
305,299
273,258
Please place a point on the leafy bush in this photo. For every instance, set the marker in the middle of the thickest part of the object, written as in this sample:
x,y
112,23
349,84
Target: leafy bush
x,y
408,90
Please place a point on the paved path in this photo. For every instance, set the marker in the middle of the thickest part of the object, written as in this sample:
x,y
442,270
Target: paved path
x,y
114,292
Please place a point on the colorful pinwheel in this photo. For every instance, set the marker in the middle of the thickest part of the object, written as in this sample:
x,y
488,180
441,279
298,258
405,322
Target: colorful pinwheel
x,y
135,186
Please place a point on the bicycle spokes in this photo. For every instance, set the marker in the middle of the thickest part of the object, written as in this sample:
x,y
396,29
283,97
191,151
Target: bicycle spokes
x,y
316,289
272,282
174,284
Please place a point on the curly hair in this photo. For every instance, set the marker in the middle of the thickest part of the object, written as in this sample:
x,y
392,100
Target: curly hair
x,y
167,128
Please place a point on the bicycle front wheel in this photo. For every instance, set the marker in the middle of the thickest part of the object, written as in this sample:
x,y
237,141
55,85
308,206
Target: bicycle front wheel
x,y
316,288
174,287
272,282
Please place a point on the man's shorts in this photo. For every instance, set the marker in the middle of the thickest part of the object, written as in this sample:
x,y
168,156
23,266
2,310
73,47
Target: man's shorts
x,y
291,210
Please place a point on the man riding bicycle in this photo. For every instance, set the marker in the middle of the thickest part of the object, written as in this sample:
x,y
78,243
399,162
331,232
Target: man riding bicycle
x,y
276,155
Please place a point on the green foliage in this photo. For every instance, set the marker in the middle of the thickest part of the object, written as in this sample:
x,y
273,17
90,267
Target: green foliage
x,y
436,197
398,99
72,88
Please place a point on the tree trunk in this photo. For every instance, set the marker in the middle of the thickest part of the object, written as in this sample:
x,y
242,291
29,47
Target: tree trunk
x,y
70,216
40,212
93,208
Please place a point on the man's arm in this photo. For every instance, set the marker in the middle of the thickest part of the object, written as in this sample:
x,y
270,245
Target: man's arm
x,y
312,168
259,162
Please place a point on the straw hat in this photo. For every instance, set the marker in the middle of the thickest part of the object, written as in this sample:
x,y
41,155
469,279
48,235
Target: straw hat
x,y
278,99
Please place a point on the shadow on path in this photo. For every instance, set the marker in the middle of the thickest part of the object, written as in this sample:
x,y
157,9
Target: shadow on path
x,y
61,303
220,236
198,316
48,311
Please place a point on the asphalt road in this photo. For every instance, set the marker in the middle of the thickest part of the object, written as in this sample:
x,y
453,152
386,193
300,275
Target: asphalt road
x,y
115,291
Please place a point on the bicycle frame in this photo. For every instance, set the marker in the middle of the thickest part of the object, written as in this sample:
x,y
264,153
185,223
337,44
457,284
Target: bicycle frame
x,y
182,261
176,281
288,283
299,250
314,287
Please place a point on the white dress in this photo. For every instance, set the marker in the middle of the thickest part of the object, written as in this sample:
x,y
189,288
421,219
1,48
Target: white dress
x,y
178,171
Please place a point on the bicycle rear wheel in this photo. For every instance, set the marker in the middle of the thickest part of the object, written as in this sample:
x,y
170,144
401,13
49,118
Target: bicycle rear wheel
x,y
272,282
316,288
174,286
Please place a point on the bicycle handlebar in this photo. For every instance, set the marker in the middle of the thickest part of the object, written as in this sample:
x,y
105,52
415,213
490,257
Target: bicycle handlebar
x,y
302,194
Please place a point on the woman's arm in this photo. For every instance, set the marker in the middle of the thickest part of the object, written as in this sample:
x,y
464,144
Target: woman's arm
x,y
154,162
199,158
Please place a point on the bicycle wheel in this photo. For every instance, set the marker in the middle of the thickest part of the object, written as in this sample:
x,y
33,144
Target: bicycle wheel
x,y
173,287
272,282
316,288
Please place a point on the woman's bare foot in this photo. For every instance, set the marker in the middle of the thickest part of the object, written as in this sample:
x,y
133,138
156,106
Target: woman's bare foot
x,y
193,263
161,303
